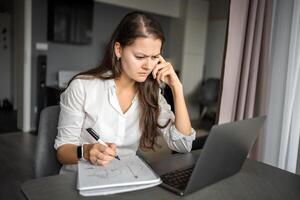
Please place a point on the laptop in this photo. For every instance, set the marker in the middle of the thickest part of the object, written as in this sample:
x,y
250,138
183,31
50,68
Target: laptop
x,y
223,155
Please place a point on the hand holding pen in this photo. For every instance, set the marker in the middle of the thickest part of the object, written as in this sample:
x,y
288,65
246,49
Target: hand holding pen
x,y
100,153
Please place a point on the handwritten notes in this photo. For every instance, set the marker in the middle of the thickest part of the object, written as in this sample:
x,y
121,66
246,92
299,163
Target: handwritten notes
x,y
127,174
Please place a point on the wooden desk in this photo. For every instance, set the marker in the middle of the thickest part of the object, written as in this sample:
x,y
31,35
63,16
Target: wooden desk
x,y
255,181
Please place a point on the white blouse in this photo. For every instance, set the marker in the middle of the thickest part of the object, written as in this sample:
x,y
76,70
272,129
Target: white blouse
x,y
93,103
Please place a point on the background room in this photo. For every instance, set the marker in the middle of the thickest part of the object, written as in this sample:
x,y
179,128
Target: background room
x,y
35,64
215,47
65,41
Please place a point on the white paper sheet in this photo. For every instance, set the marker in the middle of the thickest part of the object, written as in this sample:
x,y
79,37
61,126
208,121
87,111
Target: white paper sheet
x,y
127,174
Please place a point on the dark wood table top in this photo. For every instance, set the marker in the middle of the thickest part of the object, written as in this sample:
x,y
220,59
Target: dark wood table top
x,y
255,181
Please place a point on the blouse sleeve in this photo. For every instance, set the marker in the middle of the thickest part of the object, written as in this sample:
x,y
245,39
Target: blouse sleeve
x,y
71,115
173,137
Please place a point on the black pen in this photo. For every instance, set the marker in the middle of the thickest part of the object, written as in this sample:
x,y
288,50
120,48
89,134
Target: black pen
x,y
96,137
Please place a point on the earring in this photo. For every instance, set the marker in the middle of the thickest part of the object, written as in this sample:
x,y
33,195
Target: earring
x,y
118,58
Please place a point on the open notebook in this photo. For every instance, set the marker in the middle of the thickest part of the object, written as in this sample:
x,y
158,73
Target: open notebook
x,y
127,174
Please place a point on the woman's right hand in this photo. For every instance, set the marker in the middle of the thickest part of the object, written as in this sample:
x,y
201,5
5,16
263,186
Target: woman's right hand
x,y
99,154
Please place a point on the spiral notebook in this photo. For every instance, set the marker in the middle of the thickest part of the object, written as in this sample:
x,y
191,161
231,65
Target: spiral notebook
x,y
128,174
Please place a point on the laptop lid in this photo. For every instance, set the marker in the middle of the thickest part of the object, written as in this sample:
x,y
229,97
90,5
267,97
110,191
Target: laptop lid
x,y
223,155
224,152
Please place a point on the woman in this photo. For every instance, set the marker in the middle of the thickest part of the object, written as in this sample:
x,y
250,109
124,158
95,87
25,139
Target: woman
x,y
121,99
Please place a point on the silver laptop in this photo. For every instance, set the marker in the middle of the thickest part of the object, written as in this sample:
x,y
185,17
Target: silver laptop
x,y
223,155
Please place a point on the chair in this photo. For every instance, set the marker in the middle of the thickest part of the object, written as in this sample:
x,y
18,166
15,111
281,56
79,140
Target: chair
x,y
208,96
46,163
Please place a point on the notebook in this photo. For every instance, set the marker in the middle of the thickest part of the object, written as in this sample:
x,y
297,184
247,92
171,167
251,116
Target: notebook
x,y
223,155
128,174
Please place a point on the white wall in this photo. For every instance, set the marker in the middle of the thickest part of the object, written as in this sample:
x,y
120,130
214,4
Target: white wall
x,y
176,36
216,36
194,45
277,70
163,7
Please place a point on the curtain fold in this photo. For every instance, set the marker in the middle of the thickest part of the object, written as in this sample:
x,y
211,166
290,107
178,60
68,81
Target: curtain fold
x,y
289,145
250,64
243,93
246,56
234,53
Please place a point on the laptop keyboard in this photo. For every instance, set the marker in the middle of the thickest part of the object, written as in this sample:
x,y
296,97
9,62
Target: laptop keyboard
x,y
178,178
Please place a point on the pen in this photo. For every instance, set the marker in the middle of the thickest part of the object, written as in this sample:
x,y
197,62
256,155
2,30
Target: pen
x,y
96,137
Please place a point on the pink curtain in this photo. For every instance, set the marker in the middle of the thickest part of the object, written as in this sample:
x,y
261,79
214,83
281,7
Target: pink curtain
x,y
244,81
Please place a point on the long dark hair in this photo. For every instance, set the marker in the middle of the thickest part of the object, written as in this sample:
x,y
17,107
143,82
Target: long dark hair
x,y
134,25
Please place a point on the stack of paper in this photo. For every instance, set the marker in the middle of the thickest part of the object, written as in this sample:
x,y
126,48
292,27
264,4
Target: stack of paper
x,y
124,175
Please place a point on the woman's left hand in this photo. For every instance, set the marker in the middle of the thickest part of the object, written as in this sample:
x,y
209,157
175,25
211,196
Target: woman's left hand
x,y
164,72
